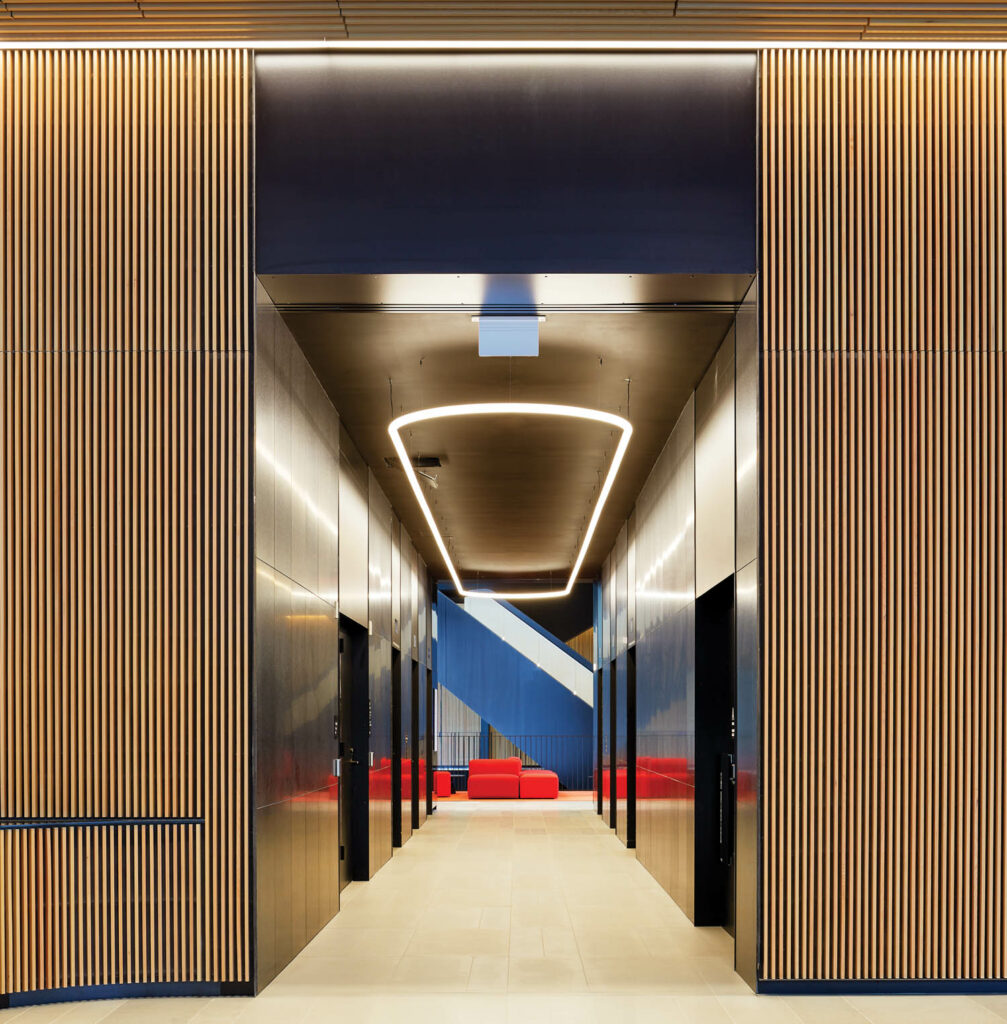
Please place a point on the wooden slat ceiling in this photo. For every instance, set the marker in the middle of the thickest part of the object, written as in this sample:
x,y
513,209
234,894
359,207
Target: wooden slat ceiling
x,y
654,20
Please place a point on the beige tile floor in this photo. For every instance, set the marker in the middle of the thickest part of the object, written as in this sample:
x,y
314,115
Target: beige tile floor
x,y
516,913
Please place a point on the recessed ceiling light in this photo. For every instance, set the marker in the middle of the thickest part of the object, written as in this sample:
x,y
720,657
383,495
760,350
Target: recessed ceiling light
x,y
505,409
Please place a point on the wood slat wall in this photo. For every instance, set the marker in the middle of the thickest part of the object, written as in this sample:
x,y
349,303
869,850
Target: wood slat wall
x,y
884,800
124,475
490,19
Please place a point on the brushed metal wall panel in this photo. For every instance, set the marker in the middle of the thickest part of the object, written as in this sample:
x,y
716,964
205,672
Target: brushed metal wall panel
x,y
379,558
666,666
747,660
715,470
379,775
383,548
396,583
607,694
883,532
631,578
353,522
747,862
125,398
296,647
746,430
620,595
422,612
407,574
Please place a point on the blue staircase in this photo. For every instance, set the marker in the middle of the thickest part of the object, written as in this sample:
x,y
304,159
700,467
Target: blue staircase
x,y
519,700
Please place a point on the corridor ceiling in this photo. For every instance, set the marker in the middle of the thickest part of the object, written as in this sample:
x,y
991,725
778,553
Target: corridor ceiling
x,y
514,493
648,20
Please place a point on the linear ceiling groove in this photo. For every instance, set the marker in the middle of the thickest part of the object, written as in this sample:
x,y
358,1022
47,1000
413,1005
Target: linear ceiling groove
x,y
520,20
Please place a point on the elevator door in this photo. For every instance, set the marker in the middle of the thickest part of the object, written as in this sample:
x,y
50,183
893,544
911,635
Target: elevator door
x,y
346,754
715,729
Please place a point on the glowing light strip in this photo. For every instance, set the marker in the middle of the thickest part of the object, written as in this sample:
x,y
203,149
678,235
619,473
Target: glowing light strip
x,y
511,408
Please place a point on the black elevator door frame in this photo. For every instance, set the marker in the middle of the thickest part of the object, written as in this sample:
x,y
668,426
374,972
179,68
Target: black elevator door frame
x,y
613,743
417,753
429,753
715,739
353,740
599,739
396,747
631,748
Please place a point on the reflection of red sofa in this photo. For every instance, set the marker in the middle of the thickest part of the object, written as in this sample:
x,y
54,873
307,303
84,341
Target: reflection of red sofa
x,y
656,778
503,778
620,782
663,777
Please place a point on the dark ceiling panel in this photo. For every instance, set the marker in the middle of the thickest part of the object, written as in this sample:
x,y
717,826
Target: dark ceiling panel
x,y
505,163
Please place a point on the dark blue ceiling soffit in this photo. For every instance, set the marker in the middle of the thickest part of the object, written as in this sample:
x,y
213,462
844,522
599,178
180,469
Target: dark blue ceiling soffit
x,y
506,164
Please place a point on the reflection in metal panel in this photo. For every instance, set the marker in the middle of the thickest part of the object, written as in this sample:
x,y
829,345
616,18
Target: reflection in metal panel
x,y
715,470
353,522
379,769
296,647
379,558
747,863
746,522
746,858
396,529
665,691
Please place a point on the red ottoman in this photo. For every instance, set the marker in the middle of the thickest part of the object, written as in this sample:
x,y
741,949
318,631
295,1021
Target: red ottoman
x,y
539,784
442,783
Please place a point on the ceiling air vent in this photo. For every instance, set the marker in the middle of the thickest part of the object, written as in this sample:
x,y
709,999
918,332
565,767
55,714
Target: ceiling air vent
x,y
418,461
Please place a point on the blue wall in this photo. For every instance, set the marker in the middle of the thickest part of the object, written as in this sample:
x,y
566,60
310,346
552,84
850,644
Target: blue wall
x,y
507,689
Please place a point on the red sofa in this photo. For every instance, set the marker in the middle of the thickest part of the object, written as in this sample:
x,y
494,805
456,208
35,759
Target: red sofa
x,y
503,778
495,778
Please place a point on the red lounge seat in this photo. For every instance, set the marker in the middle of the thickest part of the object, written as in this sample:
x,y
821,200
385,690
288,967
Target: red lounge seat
x,y
495,778
442,783
539,784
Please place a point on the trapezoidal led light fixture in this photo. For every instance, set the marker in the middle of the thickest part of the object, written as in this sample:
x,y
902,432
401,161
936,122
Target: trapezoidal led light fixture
x,y
511,408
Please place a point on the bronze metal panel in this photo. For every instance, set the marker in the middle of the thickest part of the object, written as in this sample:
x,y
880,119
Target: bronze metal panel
x,y
666,666
379,569
126,526
379,771
353,522
296,648
883,492
747,661
715,469
746,856
746,404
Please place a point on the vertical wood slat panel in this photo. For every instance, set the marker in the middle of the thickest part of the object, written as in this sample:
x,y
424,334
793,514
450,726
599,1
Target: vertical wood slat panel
x,y
124,430
884,397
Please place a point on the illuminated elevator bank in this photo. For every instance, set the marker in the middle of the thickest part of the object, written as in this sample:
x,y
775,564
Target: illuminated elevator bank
x,y
188,536
631,248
